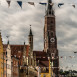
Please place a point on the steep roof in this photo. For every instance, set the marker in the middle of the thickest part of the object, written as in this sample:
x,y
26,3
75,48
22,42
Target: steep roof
x,y
40,53
42,58
17,50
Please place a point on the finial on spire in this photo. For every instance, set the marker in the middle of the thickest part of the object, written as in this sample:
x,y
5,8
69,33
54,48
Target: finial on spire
x,y
30,26
8,39
30,31
50,10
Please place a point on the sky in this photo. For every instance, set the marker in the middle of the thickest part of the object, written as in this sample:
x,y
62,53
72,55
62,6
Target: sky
x,y
15,23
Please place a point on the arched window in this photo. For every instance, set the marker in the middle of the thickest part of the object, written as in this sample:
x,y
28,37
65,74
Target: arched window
x,y
52,34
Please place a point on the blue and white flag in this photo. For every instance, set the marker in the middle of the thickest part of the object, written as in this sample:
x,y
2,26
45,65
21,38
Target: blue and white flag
x,y
73,5
60,4
8,1
42,3
20,3
31,3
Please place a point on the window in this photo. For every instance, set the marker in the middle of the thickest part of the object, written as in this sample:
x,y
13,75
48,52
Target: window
x,y
51,33
51,22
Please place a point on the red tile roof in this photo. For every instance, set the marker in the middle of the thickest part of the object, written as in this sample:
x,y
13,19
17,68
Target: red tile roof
x,y
40,53
17,50
42,58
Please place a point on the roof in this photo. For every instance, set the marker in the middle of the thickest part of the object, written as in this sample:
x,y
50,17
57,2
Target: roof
x,y
41,56
40,53
17,50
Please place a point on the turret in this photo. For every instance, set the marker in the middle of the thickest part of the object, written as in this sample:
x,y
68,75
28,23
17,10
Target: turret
x,y
31,39
50,10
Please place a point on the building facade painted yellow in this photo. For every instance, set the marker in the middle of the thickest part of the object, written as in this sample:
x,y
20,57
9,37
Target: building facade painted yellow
x,y
1,57
50,73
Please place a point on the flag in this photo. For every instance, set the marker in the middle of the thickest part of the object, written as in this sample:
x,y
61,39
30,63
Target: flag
x,y
70,56
31,3
20,3
42,3
60,4
61,57
8,3
75,52
73,5
51,4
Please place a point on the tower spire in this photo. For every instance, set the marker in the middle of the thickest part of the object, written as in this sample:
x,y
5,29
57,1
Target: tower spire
x,y
8,39
31,39
30,31
50,10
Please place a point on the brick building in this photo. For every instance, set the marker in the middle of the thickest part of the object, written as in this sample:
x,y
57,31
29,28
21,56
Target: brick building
x,y
15,67
50,39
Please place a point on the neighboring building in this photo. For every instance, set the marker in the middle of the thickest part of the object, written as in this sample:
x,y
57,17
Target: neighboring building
x,y
4,64
8,61
50,39
43,64
16,55
15,67
1,57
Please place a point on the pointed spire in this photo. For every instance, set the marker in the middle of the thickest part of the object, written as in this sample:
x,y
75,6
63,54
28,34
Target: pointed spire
x,y
8,39
24,42
24,47
50,10
30,31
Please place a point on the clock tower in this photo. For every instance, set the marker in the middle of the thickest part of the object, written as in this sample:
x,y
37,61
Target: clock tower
x,y
50,39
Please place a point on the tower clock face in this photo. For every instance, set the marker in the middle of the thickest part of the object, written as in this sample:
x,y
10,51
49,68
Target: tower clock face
x,y
52,40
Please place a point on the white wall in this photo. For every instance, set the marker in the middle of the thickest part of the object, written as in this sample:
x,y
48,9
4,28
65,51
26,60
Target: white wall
x,y
8,61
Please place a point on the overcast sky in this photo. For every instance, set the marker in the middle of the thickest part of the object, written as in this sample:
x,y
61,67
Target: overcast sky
x,y
15,22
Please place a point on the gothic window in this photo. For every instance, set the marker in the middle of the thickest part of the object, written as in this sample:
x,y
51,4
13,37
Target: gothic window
x,y
48,33
51,33
30,39
51,22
